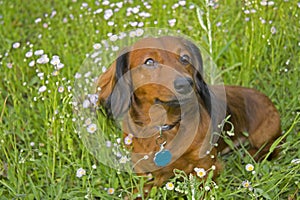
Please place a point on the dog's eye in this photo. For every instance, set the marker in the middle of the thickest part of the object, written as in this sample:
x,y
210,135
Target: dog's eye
x,y
185,59
149,62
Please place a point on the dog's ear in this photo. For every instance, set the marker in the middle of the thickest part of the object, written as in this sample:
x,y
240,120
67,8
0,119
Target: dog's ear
x,y
201,85
203,91
196,56
115,87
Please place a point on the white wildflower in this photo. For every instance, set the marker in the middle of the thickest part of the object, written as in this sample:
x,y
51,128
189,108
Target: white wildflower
x,y
80,172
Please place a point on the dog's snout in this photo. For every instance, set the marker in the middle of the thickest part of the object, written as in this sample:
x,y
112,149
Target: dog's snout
x,y
183,85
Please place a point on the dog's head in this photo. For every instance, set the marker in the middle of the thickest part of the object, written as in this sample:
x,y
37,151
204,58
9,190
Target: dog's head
x,y
163,71
159,82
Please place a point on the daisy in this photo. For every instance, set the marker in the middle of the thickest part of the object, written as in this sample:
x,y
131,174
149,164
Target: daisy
x,y
200,172
115,48
172,22
40,74
98,11
273,30
16,45
113,38
86,103
87,74
97,46
55,73
141,24
108,13
37,20
119,4
92,128
128,140
28,54
88,121
123,159
139,32
132,34
32,63
42,89
39,52
182,3
60,66
105,3
61,89
93,99
170,186
110,191
135,10
108,144
43,59
133,24
55,60
247,184
80,172
249,167
78,75
84,5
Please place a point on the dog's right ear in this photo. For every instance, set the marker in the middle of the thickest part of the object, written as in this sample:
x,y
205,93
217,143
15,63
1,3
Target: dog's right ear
x,y
115,87
196,56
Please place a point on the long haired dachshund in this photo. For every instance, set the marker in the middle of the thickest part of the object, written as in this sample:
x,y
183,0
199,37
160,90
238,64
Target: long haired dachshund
x,y
156,87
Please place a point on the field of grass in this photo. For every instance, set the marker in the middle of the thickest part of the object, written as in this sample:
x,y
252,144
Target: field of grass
x,y
43,45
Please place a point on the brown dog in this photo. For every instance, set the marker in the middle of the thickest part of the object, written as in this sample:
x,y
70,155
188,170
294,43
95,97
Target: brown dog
x,y
173,117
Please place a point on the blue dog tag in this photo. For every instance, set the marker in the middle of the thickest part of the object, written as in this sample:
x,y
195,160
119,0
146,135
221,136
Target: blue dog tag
x,y
162,158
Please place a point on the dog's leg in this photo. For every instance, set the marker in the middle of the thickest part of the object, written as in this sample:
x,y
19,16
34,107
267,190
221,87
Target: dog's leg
x,y
264,136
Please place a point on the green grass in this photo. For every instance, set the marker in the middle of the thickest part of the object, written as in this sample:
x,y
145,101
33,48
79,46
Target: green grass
x,y
40,147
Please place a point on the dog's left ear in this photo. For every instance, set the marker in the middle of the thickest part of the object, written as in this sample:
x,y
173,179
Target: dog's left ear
x,y
115,87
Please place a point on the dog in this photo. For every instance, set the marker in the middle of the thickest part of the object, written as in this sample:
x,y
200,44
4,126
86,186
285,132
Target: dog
x,y
174,118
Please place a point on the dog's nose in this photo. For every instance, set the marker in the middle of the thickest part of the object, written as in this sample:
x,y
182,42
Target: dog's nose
x,y
183,85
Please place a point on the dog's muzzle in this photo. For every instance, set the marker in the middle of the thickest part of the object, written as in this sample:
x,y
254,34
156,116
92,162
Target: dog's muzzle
x,y
183,85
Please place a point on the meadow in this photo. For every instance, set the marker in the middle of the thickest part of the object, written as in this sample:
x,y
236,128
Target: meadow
x,y
43,45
